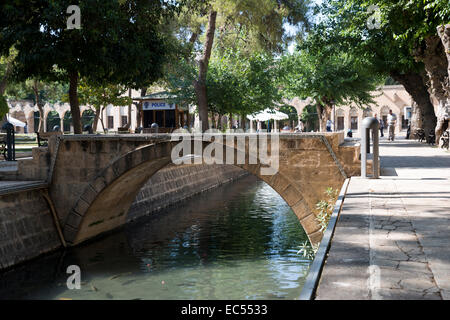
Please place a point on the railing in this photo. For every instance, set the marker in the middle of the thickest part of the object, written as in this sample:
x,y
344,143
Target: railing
x,y
8,147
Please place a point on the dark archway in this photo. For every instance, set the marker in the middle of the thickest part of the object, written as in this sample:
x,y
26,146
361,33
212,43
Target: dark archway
x,y
106,200
67,122
53,120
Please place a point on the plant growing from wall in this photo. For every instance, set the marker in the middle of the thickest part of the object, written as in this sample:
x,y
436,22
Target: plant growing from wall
x,y
307,250
325,208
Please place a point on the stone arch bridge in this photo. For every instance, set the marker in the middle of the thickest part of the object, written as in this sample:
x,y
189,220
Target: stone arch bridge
x,y
93,179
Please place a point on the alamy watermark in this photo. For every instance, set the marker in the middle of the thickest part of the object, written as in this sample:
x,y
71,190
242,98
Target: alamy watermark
x,y
233,148
74,280
374,21
74,20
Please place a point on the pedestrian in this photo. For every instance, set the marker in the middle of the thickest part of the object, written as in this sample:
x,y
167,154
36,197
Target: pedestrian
x,y
349,133
300,127
381,122
391,120
329,123
381,127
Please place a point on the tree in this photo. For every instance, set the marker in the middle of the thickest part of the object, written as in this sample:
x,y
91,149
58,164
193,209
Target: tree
x,y
251,25
99,97
41,92
331,77
310,118
415,24
237,84
386,52
119,42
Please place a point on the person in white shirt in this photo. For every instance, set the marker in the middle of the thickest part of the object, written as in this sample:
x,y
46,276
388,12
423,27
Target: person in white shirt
x,y
329,124
391,120
300,126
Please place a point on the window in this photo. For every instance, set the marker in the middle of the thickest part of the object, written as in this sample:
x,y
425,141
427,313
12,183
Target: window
x,y
354,123
124,121
110,122
340,123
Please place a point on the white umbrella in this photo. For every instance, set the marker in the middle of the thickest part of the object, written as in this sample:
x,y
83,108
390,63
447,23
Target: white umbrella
x,y
15,122
268,114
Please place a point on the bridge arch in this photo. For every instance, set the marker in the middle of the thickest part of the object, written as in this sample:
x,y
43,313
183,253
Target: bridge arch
x,y
104,203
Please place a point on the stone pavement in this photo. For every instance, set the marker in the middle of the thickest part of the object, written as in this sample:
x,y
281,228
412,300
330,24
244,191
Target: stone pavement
x,y
392,237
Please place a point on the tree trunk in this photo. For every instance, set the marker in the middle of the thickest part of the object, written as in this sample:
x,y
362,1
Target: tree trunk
x,y
4,81
243,119
230,121
127,126
200,83
139,109
39,105
96,118
416,120
101,119
444,34
415,85
213,120
433,56
324,113
74,103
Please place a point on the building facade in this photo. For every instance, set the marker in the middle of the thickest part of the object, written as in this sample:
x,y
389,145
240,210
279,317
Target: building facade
x,y
392,97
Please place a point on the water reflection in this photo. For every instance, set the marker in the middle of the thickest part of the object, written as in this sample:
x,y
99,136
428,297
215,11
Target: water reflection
x,y
235,242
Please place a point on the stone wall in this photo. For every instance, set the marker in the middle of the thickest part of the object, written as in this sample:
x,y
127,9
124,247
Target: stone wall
x,y
175,183
26,227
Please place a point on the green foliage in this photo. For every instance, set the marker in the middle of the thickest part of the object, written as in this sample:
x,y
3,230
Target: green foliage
x,y
325,208
290,111
307,250
101,96
49,91
309,118
258,25
235,83
119,41
323,72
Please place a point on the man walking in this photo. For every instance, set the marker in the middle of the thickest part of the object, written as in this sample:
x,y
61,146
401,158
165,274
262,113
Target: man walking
x,y
381,122
391,120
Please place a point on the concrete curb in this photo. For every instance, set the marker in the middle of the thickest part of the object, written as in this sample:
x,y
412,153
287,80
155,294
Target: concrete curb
x,y
315,271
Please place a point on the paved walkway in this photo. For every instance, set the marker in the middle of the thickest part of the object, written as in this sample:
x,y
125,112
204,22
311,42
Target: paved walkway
x,y
392,240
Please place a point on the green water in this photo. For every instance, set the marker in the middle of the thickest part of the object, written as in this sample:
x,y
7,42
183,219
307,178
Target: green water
x,y
239,241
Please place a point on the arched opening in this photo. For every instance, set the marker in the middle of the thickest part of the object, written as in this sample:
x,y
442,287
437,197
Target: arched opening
x,y
53,121
36,120
353,119
384,113
87,118
104,204
67,122
19,115
367,112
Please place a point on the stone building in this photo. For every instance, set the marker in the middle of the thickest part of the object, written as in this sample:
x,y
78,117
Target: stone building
x,y
392,97
59,114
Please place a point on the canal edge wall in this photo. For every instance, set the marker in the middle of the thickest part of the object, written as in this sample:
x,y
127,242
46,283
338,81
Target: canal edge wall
x,y
315,270
27,229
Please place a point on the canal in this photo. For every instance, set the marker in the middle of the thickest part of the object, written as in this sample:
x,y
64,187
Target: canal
x,y
238,241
